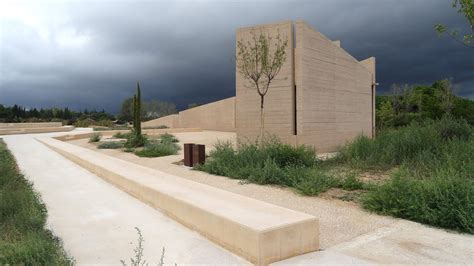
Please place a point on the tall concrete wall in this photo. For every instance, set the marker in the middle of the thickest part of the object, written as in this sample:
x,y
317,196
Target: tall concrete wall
x,y
322,97
218,116
279,101
334,91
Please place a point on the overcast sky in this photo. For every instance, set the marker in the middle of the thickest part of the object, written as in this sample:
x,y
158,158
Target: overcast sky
x,y
89,54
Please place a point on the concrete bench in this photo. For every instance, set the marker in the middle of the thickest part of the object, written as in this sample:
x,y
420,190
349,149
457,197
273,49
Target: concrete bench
x,y
258,231
14,131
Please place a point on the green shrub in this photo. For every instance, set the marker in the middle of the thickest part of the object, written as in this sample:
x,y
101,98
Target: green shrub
x,y
407,144
270,162
312,182
110,145
440,201
120,135
168,138
434,183
158,149
24,240
135,140
95,137
351,182
84,122
450,128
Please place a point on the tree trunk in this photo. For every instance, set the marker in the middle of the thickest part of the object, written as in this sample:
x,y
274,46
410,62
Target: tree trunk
x,y
262,119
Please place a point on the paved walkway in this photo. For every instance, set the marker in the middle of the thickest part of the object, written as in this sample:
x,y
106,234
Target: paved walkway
x,y
96,220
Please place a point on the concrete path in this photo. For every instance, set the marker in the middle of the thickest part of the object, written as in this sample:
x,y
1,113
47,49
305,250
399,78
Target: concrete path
x,y
96,221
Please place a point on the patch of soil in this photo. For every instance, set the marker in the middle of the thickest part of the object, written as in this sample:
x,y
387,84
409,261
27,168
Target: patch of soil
x,y
344,195
377,177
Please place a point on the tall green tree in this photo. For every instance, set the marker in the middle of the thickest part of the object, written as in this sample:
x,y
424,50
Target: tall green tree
x,y
465,8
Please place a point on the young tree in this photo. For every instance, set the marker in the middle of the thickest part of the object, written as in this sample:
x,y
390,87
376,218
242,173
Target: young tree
x,y
466,8
447,95
259,61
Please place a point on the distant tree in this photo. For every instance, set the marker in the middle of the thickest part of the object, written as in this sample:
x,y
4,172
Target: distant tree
x,y
466,8
155,109
192,105
447,95
259,61
126,110
136,139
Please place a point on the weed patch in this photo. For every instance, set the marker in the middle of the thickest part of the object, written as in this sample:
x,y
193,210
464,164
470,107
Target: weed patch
x,y
24,239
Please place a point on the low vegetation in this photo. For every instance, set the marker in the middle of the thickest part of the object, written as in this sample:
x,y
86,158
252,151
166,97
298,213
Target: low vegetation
x,y
120,135
95,137
138,258
430,166
110,145
23,238
156,127
434,183
165,145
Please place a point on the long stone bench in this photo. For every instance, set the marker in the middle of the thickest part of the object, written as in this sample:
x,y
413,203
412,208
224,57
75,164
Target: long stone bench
x,y
258,231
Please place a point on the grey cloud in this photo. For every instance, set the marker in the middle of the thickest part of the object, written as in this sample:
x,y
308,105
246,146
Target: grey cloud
x,y
182,51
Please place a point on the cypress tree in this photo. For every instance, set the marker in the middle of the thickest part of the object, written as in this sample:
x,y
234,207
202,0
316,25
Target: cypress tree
x,y
139,110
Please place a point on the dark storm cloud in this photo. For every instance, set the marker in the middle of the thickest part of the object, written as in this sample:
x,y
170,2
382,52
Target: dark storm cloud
x,y
90,54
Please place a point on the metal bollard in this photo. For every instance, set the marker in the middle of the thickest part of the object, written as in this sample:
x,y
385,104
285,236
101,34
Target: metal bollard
x,y
199,154
188,154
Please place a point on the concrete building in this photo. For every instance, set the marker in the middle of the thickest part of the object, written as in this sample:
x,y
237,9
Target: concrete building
x,y
322,96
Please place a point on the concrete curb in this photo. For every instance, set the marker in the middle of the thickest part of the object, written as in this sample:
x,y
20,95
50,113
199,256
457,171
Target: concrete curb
x,y
260,232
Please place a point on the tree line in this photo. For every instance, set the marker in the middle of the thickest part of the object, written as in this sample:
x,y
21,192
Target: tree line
x,y
406,104
17,114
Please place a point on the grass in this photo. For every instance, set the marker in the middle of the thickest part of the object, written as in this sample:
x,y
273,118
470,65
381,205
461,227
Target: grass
x,y
431,165
156,127
120,135
95,137
164,146
24,239
110,145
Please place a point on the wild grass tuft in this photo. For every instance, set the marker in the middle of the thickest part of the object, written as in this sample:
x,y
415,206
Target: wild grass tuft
x,y
110,145
24,240
95,137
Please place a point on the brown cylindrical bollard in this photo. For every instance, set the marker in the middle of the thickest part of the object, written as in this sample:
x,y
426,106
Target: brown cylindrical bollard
x,y
188,154
199,154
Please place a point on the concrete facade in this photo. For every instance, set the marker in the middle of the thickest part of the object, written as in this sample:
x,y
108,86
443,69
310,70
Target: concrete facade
x,y
219,115
322,97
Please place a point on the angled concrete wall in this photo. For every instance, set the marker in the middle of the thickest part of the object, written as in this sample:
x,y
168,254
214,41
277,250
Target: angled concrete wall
x,y
213,116
171,121
334,91
219,115
279,101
